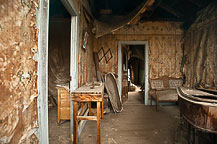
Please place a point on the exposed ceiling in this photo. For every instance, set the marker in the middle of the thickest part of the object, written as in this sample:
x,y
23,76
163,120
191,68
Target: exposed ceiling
x,y
174,10
114,7
161,10
109,15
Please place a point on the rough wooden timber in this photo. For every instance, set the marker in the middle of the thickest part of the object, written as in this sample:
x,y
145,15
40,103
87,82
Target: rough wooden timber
x,y
201,114
112,89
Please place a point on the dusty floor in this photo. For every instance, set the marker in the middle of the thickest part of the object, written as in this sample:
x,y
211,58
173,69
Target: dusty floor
x,y
137,124
58,134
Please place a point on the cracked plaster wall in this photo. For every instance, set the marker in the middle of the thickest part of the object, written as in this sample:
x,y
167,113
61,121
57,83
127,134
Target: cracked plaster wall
x,y
18,46
18,68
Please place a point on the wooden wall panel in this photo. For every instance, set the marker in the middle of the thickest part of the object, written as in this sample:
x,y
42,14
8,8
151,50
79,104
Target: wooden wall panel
x,y
165,52
86,67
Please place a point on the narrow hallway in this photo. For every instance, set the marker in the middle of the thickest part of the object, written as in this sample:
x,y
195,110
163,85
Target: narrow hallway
x,y
135,97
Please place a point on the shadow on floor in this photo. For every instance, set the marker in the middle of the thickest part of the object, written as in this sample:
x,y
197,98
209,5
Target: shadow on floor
x,y
136,124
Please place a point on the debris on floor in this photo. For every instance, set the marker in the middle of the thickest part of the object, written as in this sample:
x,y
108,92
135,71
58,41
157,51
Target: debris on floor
x,y
132,87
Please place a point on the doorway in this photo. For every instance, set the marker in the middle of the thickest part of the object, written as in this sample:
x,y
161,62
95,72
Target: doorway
x,y
138,74
59,72
68,15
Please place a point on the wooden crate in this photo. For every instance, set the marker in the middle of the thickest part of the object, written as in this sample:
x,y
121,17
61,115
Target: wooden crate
x,y
63,104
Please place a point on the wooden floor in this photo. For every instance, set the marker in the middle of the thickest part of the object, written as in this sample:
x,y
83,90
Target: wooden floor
x,y
137,124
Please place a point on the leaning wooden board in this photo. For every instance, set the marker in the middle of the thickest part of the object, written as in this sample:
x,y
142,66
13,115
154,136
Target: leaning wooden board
x,y
113,92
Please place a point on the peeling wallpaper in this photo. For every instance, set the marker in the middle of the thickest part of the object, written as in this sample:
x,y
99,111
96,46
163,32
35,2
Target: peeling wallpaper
x,y
86,67
18,46
164,39
200,50
18,68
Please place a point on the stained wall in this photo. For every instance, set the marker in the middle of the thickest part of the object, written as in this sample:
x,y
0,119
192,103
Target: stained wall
x,y
86,67
200,50
164,39
18,68
18,71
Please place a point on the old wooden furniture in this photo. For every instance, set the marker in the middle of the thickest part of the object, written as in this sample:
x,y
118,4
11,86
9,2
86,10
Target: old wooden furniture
x,y
87,93
63,103
163,89
199,108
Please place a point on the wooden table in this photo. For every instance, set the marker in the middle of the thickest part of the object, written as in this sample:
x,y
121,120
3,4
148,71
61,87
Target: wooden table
x,y
87,94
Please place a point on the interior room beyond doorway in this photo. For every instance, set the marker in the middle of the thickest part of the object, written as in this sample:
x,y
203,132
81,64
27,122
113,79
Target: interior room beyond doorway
x,y
133,73
59,72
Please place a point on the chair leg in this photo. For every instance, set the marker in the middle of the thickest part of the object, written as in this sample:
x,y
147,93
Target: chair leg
x,y
151,100
157,103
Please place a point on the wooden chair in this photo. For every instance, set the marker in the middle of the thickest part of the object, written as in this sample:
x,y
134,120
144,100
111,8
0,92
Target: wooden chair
x,y
163,89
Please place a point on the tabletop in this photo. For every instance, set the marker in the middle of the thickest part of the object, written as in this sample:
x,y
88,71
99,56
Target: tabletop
x,y
90,88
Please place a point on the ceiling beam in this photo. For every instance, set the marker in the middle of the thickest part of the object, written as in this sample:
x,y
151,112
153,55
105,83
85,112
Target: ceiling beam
x,y
171,10
150,10
195,3
155,5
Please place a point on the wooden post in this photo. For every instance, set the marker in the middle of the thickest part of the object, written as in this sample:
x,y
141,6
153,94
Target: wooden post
x,y
98,122
75,121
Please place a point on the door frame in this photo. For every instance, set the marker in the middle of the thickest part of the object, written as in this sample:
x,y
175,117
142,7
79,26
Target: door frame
x,y
146,47
42,82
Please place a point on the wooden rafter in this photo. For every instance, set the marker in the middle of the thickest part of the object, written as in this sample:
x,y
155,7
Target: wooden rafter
x,y
195,3
154,7
171,10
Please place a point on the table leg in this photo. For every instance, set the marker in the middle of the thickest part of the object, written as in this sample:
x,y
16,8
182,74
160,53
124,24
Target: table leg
x,y
89,106
98,122
151,100
75,122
